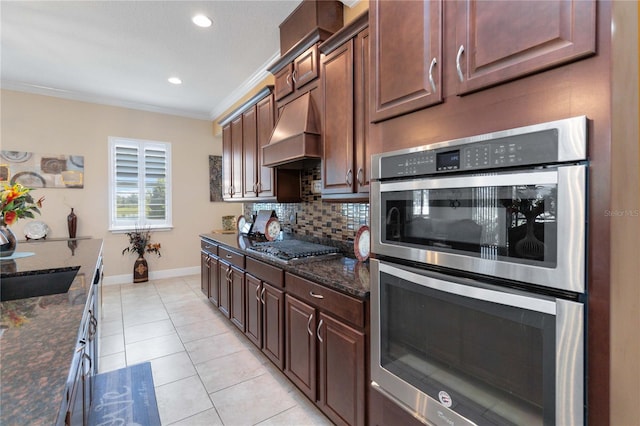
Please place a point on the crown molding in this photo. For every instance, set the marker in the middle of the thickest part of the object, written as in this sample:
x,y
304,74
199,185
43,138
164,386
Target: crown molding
x,y
97,99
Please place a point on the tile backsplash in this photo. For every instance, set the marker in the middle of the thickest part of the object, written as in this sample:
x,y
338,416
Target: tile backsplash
x,y
312,217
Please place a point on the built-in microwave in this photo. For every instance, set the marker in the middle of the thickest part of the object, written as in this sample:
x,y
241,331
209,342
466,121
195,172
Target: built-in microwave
x,y
509,205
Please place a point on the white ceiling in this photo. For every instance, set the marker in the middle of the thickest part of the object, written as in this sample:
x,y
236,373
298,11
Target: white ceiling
x,y
122,52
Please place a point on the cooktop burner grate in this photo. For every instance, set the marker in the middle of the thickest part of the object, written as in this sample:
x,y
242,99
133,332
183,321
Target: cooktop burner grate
x,y
295,251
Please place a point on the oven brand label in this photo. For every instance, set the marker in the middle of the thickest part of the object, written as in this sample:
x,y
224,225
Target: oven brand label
x,y
445,399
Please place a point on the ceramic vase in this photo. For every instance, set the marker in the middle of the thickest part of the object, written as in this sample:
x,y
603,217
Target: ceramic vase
x,y
72,223
140,270
8,238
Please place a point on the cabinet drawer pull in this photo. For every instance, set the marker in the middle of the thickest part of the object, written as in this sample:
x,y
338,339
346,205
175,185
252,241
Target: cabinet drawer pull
x,y
317,296
458,67
309,325
229,256
431,67
318,331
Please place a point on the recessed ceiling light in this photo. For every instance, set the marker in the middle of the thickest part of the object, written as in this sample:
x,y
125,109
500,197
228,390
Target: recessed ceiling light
x,y
175,80
201,21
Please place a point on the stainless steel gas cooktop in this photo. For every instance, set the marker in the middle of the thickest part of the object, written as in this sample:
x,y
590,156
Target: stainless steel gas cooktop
x,y
295,251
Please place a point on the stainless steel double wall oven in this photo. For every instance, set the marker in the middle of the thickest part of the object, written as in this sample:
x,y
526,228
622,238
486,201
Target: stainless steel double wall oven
x,y
478,291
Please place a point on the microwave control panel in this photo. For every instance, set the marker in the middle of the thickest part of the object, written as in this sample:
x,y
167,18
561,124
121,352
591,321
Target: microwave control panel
x,y
529,149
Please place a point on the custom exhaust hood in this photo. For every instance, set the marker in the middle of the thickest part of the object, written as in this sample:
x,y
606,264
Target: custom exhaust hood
x,y
296,142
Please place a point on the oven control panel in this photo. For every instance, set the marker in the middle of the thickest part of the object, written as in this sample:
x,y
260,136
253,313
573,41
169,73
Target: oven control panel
x,y
527,149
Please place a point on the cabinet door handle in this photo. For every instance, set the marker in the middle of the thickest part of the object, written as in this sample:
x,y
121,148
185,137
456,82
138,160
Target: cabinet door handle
x,y
289,80
259,187
458,67
309,325
293,76
262,295
317,296
349,177
258,293
360,176
431,67
318,331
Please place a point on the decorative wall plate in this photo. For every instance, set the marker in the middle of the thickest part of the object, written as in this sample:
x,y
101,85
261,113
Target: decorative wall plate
x,y
36,230
272,229
362,243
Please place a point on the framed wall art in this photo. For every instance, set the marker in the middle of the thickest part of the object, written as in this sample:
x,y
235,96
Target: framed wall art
x,y
35,170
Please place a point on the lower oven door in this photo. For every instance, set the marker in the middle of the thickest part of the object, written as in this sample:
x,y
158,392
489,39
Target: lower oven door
x,y
453,351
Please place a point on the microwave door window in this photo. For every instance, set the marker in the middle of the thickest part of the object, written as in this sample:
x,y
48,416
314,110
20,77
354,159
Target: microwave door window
x,y
511,223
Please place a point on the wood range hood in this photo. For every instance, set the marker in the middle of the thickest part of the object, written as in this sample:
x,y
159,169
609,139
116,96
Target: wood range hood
x,y
296,142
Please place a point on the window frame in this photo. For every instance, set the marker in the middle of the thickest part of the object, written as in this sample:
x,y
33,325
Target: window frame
x,y
141,145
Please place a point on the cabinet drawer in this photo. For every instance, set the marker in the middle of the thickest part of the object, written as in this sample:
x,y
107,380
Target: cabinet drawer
x,y
208,246
334,302
232,257
271,274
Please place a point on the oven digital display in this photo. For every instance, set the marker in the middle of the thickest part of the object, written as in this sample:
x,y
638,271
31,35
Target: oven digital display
x,y
449,160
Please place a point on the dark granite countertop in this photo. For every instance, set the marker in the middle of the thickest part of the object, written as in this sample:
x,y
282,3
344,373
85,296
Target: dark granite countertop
x,y
38,335
342,273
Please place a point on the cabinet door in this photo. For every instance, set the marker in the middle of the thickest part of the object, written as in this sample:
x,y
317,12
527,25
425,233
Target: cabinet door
x,y
214,280
265,112
253,307
406,42
305,67
250,152
237,168
300,345
361,111
227,161
237,288
273,324
204,273
341,371
337,87
224,303
497,41
283,82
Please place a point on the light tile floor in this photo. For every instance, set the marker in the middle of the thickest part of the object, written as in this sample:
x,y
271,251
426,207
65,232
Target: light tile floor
x,y
204,370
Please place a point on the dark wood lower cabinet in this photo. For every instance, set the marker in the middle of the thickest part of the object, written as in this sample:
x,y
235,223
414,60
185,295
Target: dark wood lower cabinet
x,y
204,273
253,329
214,280
273,324
300,345
237,296
224,302
342,372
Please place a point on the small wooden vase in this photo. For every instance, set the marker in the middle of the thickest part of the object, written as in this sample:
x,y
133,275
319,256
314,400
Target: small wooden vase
x,y
140,270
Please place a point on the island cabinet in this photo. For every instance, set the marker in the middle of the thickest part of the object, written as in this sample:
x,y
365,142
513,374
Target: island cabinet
x,y
209,278
486,43
232,287
325,348
265,309
84,366
344,84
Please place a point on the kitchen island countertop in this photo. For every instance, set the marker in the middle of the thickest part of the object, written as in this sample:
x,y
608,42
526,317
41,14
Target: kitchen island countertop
x,y
39,335
342,273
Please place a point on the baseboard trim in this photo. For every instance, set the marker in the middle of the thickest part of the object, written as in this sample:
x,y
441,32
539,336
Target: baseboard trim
x,y
155,275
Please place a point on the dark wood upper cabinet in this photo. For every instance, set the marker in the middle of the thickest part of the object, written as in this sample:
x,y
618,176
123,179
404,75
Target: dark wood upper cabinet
x,y
344,84
250,152
498,41
295,75
227,161
237,167
265,118
406,56
337,86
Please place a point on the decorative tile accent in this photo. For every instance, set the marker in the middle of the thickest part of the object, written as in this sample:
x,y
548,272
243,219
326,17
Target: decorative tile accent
x,y
337,222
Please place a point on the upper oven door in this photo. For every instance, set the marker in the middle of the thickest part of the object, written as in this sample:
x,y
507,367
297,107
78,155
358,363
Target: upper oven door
x,y
527,226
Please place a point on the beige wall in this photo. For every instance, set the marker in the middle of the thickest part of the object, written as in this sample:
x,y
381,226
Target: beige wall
x,y
50,125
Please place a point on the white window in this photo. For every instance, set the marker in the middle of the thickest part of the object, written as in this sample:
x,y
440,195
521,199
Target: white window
x,y
139,184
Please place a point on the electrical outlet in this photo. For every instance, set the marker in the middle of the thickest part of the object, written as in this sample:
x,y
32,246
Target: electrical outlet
x,y
316,186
